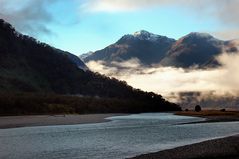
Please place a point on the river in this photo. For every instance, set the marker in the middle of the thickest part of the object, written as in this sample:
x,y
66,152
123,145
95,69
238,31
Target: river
x,y
123,136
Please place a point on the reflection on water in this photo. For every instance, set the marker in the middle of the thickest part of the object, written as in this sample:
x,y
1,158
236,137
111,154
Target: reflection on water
x,y
124,136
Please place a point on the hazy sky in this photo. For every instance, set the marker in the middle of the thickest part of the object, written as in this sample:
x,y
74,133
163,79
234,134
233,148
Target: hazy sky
x,y
80,26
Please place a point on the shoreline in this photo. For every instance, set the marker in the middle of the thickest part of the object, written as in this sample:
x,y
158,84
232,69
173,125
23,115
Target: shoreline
x,y
222,148
8,122
211,116
74,119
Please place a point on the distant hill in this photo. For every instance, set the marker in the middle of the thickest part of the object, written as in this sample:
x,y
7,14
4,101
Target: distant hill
x,y
27,65
196,49
75,59
193,49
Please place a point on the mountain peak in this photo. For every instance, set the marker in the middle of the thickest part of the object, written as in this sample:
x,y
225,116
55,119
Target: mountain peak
x,y
199,35
142,32
145,35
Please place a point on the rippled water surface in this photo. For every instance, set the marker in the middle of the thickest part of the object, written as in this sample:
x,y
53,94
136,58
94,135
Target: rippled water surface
x,y
124,136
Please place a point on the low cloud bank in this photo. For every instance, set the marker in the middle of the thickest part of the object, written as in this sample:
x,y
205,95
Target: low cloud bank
x,y
177,84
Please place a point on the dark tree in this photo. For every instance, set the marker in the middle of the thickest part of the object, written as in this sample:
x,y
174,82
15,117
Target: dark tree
x,y
223,110
198,108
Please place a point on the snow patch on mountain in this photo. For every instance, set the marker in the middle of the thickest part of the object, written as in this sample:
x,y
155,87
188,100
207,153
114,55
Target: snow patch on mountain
x,y
145,35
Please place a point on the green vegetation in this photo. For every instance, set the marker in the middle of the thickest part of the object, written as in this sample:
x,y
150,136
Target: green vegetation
x,y
32,104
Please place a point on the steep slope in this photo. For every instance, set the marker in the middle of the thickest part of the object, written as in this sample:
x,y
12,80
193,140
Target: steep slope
x,y
197,49
75,59
27,65
147,47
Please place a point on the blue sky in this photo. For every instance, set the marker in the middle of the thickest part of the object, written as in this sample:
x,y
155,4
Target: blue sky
x,y
79,26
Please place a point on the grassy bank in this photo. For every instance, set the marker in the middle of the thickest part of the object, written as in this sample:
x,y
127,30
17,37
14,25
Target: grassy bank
x,y
213,115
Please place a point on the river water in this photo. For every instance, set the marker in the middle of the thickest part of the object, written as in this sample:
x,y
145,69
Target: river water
x,y
123,136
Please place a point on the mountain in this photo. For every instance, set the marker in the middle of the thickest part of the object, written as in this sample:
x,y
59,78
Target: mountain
x,y
147,47
85,55
193,49
27,65
75,59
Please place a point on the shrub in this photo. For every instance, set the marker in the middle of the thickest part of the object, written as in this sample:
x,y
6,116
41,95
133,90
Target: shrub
x,y
198,108
223,110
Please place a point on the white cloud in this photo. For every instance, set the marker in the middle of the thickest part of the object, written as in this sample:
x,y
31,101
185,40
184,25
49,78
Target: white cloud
x,y
168,80
225,10
28,16
227,34
120,5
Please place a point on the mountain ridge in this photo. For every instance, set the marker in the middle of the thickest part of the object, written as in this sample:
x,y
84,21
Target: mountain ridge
x,y
134,45
193,49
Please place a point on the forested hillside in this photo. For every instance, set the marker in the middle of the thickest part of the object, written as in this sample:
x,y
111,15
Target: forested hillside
x,y
27,65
